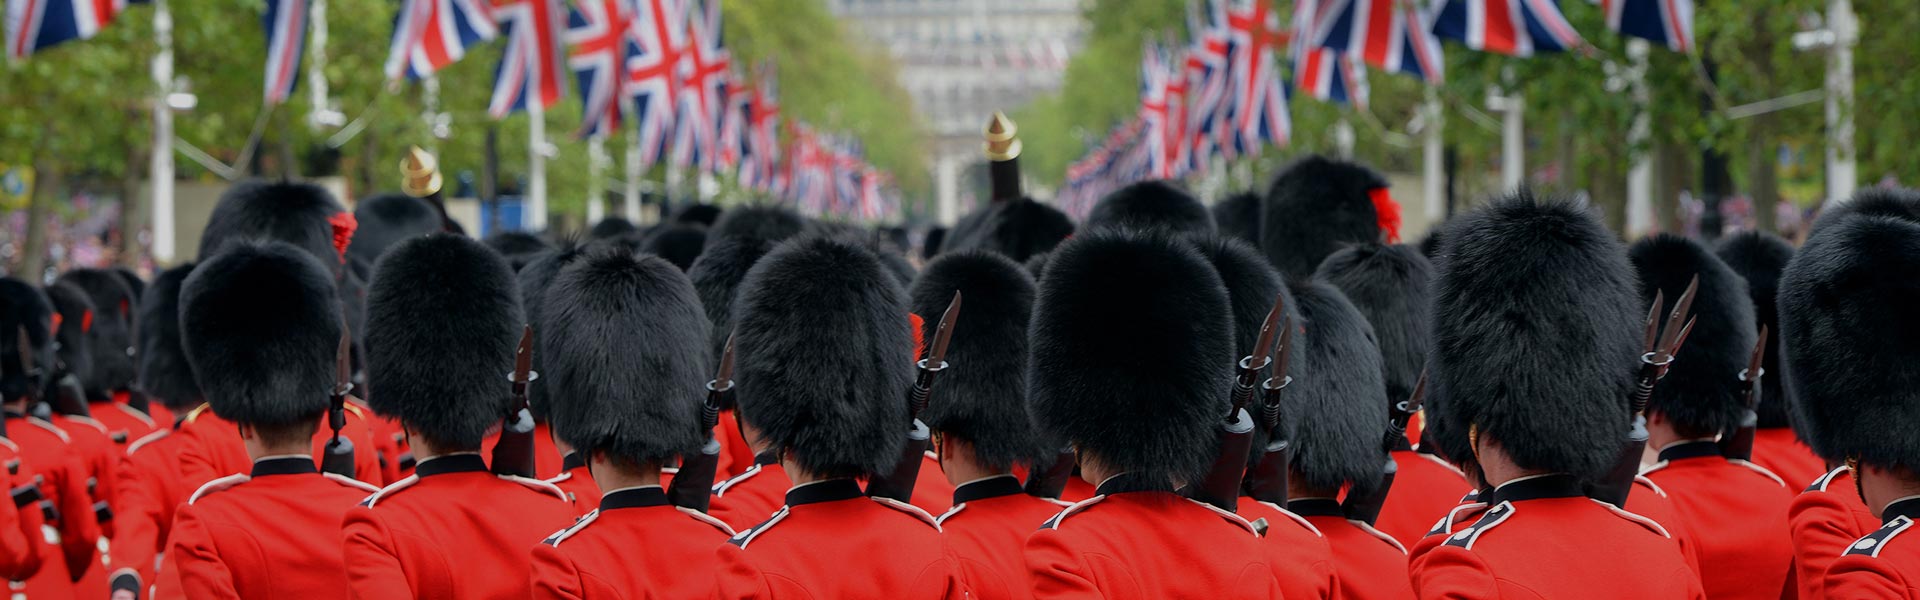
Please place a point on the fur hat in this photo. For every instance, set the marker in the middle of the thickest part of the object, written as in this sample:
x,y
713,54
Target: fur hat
x,y
1334,403
386,219
936,237
518,247
134,283
823,355
1758,258
896,265
679,244
771,223
301,214
1238,217
1153,204
165,373
716,277
1851,339
1389,286
1900,203
534,281
1132,353
983,399
443,319
1536,334
702,215
72,350
22,306
110,339
611,227
627,367
1702,391
1018,228
1252,284
260,324
1316,206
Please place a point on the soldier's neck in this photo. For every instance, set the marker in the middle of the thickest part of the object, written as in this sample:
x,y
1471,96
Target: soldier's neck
x,y
610,476
1498,467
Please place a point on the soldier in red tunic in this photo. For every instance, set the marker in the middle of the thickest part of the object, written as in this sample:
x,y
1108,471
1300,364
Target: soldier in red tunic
x,y
822,365
1737,511
1133,342
1848,331
111,344
44,448
443,318
626,369
1759,257
1535,342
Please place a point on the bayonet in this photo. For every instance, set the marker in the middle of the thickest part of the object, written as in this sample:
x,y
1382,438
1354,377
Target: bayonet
x,y
1655,360
1364,504
1738,443
513,454
692,487
898,484
1224,480
1251,365
339,451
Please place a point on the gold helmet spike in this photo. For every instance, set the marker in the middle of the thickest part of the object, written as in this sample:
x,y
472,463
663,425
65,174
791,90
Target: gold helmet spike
x,y
420,173
1001,141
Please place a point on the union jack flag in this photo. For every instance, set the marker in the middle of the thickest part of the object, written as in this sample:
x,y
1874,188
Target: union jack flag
x,y
597,38
1324,74
1163,96
533,62
1208,83
34,25
1393,35
1667,22
704,68
657,34
761,155
737,111
428,35
1259,98
286,25
1510,27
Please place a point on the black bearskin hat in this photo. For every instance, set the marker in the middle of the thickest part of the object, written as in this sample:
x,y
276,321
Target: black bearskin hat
x,y
443,319
1019,228
628,367
1238,217
1899,203
1252,284
134,283
1702,391
260,323
1388,283
936,237
385,220
1759,257
301,214
679,244
824,355
519,247
983,399
1316,206
716,277
1536,334
1852,339
110,339
771,223
1333,402
611,227
22,306
701,215
165,373
1132,352
77,315
534,281
1153,204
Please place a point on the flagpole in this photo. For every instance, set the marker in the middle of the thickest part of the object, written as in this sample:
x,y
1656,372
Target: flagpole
x,y
534,218
1640,220
597,160
160,175
1841,173
317,64
1512,105
1343,138
1433,174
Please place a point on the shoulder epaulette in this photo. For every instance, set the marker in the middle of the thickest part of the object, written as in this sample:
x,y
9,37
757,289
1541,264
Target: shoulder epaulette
x,y
1054,523
1297,519
1653,467
746,537
1870,545
1465,538
1636,518
391,489
1236,520
1378,534
942,519
1820,485
538,486
88,421
1759,469
195,413
350,482
223,483
50,427
10,445
578,524
720,489
147,439
356,410
909,509
1446,523
1642,480
706,518
140,416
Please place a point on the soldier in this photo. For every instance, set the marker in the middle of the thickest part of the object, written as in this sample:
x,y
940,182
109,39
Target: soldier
x,y
1151,205
573,476
979,417
382,221
1132,343
626,370
1845,307
261,326
443,315
43,449
1736,510
1759,257
111,344
1318,205
151,486
1535,337
823,367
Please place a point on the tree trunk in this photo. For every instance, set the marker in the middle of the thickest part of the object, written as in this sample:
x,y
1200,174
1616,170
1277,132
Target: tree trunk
x,y
33,254
1675,169
1606,184
1763,183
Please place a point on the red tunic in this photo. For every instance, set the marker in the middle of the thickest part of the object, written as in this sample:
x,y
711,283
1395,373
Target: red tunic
x,y
123,423
212,448
1779,450
1139,539
931,490
1738,515
452,530
1367,563
1542,538
389,444
1077,489
23,546
1884,564
1300,549
1424,489
96,450
151,487
597,556
750,497
1825,521
1648,500
264,534
832,541
987,528
64,483
735,455
577,482
546,456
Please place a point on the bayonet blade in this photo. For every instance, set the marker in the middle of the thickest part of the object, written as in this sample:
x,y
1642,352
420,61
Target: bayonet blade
x,y
1419,398
1283,352
937,353
1653,321
1681,341
1263,345
1759,352
523,357
343,363
1682,309
724,378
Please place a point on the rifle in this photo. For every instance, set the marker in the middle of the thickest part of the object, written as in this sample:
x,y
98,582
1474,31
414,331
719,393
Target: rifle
x,y
1661,344
1738,444
1364,504
1221,485
513,454
692,487
898,484
1051,481
1266,479
338,458
1003,158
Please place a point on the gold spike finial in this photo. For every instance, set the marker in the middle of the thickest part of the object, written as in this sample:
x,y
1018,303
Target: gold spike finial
x,y
1002,143
420,173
